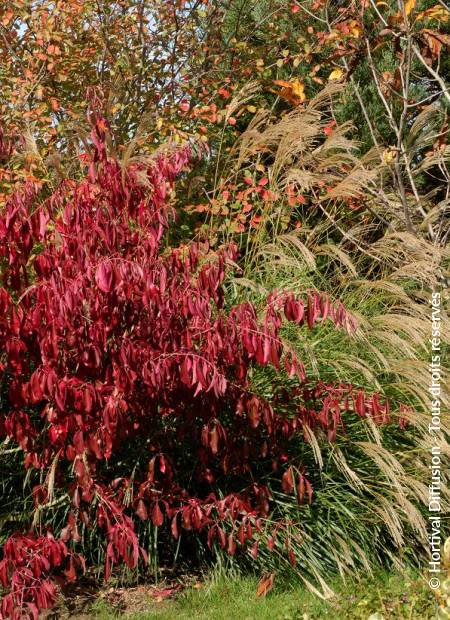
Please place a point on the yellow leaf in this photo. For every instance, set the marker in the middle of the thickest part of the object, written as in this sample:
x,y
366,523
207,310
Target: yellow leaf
x,y
336,74
388,155
298,89
409,6
251,109
355,29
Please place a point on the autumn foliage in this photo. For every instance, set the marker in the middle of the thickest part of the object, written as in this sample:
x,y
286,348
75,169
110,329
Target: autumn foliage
x,y
112,342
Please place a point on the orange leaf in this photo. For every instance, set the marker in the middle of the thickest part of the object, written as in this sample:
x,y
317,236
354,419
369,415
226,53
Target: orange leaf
x,y
435,40
293,91
7,17
435,12
158,595
265,585
224,93
257,219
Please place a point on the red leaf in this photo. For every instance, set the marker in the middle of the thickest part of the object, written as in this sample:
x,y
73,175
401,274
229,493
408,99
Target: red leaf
x,y
157,515
287,481
360,405
70,571
254,550
174,527
141,510
213,440
253,412
231,548
301,489
241,534
292,558
104,276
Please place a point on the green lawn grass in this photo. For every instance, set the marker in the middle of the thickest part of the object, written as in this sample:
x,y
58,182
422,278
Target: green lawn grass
x,y
387,596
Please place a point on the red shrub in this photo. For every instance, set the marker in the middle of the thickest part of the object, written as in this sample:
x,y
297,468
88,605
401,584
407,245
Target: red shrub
x,y
115,346
25,571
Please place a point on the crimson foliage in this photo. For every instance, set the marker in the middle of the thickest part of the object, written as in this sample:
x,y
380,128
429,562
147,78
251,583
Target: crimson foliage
x,y
113,344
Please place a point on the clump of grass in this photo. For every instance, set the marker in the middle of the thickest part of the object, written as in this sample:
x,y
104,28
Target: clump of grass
x,y
371,487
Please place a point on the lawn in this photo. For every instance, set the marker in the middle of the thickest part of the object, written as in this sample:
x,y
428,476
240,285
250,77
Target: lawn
x,y
386,596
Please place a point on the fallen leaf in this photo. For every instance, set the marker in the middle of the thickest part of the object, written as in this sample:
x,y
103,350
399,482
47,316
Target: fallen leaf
x,y
159,595
265,585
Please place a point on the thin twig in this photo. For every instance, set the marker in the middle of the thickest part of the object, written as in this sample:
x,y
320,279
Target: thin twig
x,y
432,72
